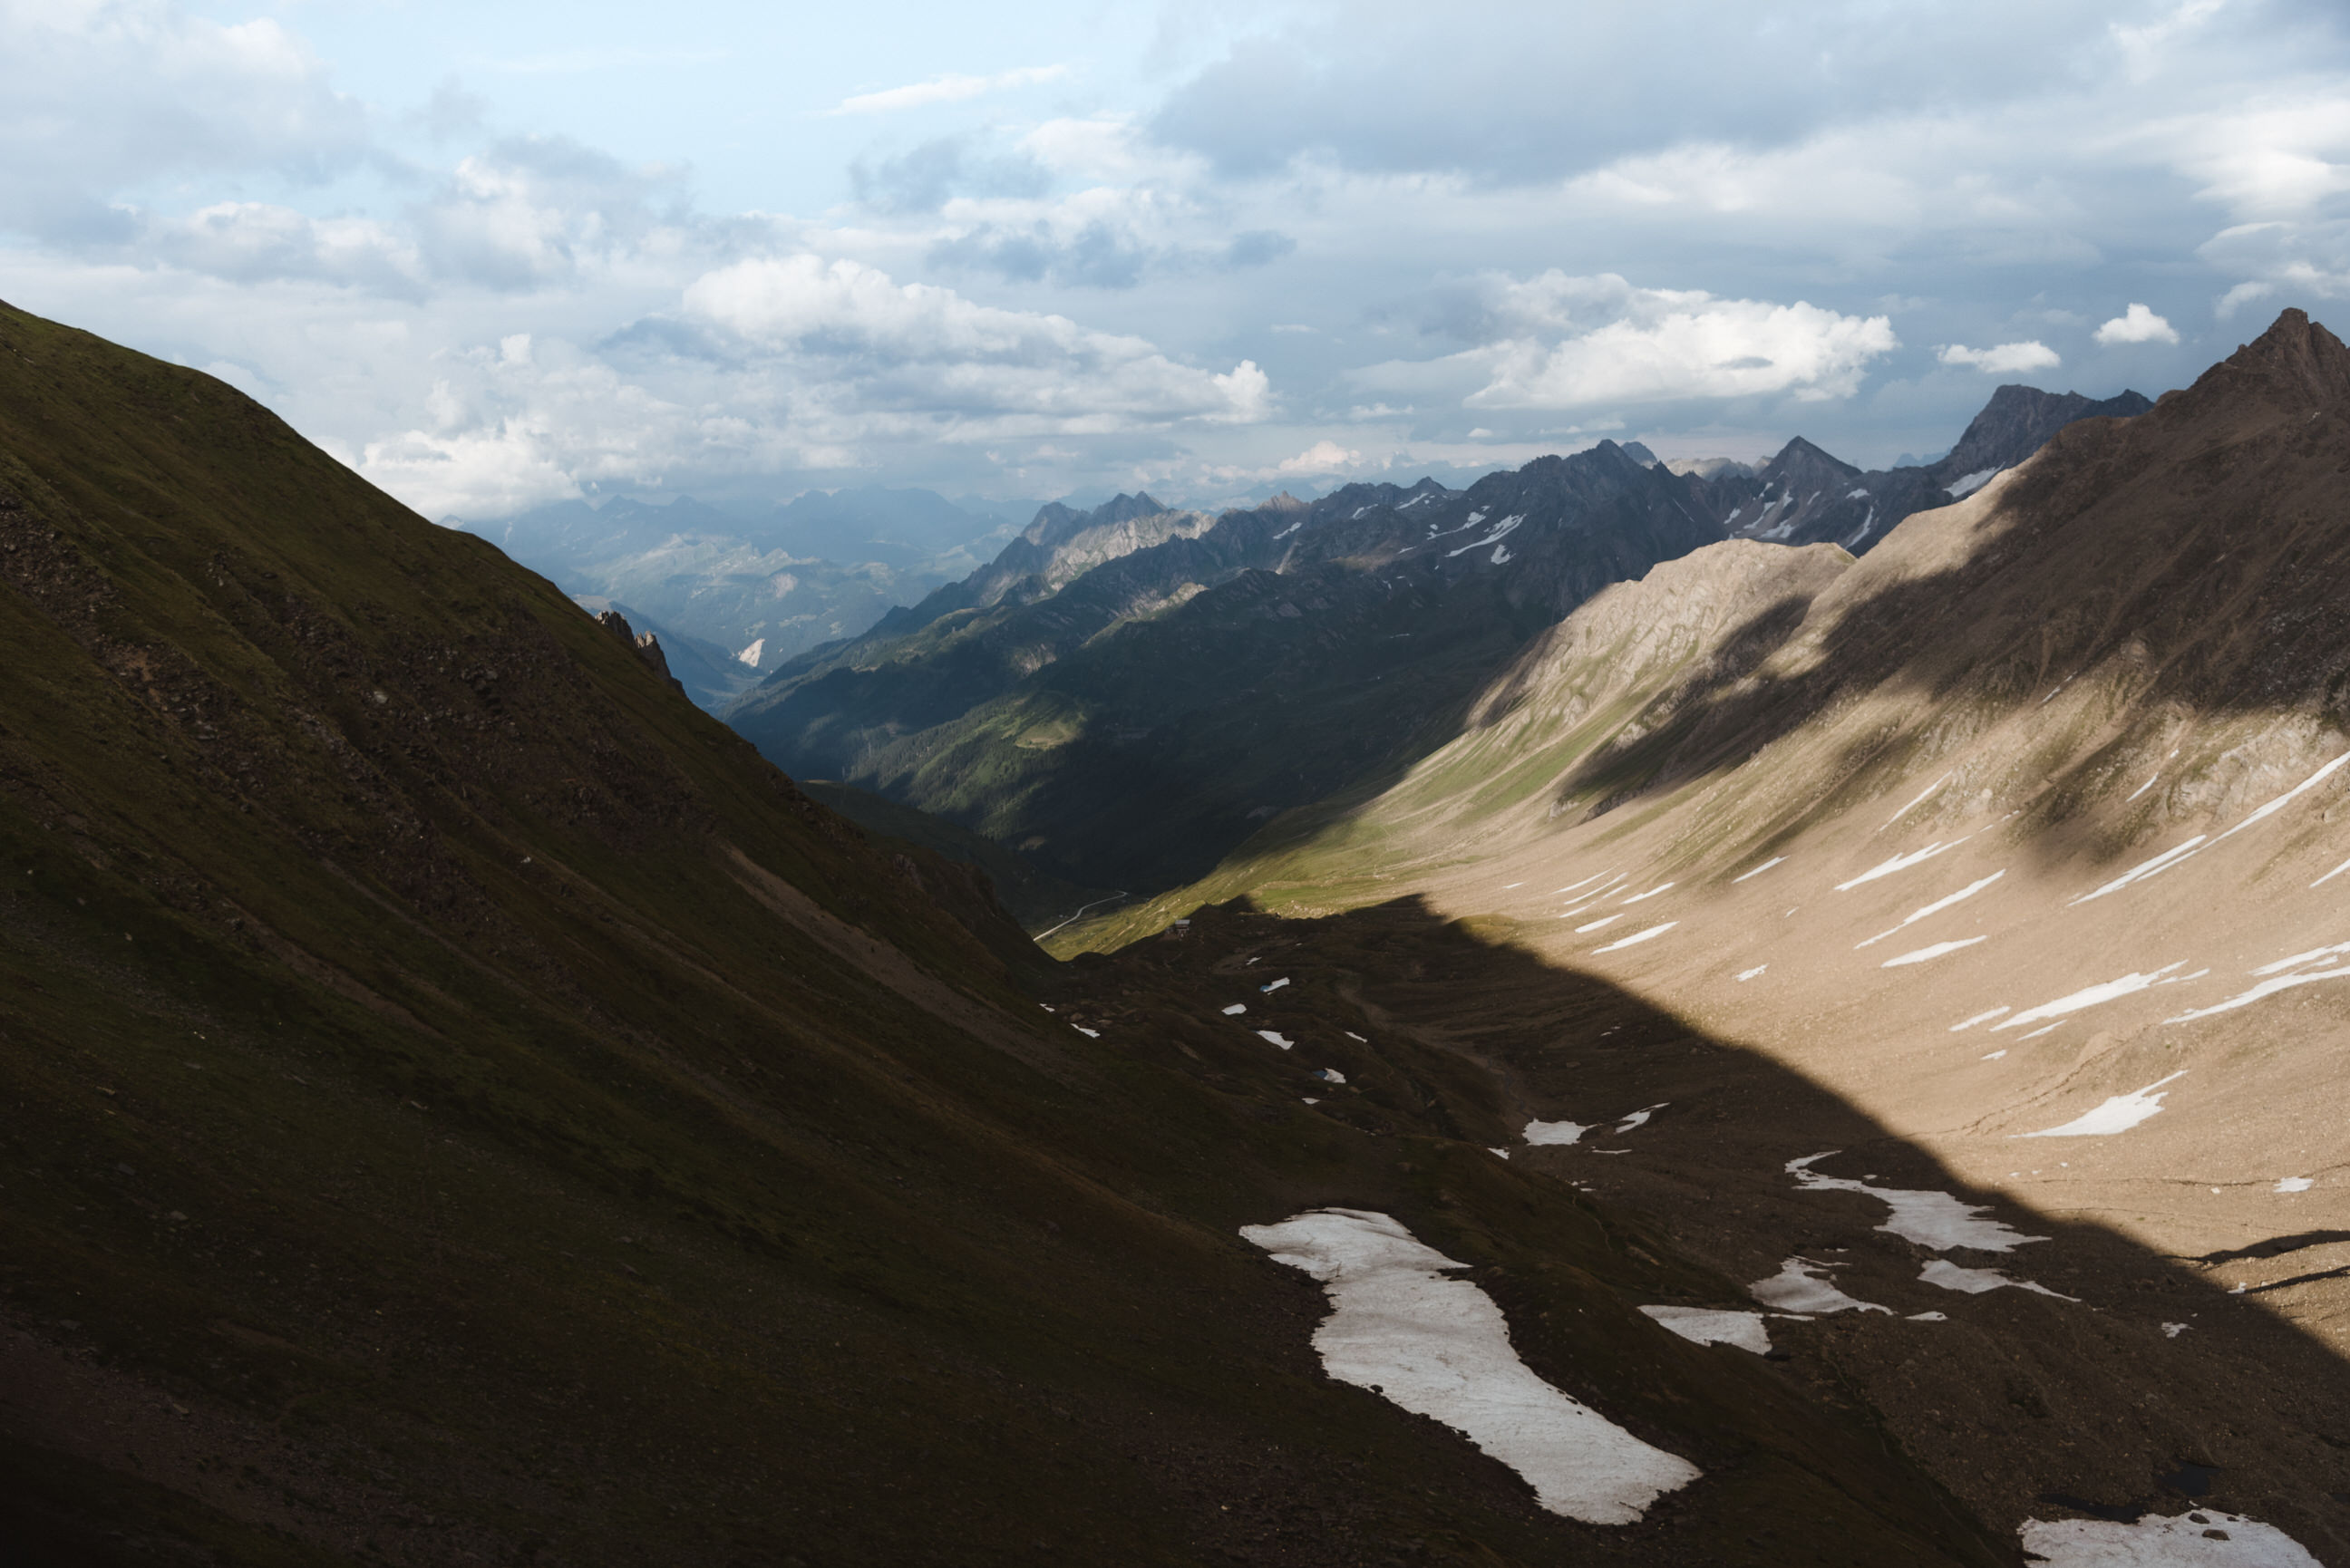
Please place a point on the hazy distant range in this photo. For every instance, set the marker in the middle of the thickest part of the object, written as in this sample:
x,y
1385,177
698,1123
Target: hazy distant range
x,y
732,595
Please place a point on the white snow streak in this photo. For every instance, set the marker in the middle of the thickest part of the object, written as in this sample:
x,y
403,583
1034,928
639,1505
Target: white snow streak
x,y
1651,893
1924,954
1638,936
1440,1348
1922,794
2331,875
1936,908
2268,987
1604,920
2144,868
1276,985
1900,863
1751,974
2088,996
1978,1018
1775,860
2144,787
2117,1115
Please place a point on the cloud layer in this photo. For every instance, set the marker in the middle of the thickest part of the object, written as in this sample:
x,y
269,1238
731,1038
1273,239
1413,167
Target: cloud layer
x,y
1281,245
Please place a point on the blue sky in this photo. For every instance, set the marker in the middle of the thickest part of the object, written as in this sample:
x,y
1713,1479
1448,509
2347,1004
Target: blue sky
x,y
737,251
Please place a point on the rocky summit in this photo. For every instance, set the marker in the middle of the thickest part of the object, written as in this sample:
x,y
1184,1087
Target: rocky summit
x,y
1608,1030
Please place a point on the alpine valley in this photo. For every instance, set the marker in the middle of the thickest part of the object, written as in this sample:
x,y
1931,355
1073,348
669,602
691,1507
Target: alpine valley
x,y
1640,1012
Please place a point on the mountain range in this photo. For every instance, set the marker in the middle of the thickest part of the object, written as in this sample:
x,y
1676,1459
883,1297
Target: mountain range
x,y
730,595
1810,1059
1122,694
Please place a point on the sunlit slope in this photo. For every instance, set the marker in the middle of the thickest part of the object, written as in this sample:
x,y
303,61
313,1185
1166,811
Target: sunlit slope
x,y
2035,814
457,1103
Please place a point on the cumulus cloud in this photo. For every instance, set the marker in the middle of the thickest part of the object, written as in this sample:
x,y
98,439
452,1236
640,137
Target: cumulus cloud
x,y
781,364
1626,345
1322,457
101,97
2004,359
2137,325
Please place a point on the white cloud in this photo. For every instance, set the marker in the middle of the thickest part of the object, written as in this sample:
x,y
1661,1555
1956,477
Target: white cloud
x,y
104,95
945,90
2137,325
2004,359
1665,345
932,346
1322,457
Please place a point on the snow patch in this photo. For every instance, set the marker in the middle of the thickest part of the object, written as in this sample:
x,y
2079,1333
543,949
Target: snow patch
x,y
2154,1541
750,655
2292,1184
1751,974
1276,985
2117,1115
1640,1117
1555,1132
1709,1326
1775,860
1275,1037
1235,1009
1798,1287
1966,485
1936,1220
1440,1348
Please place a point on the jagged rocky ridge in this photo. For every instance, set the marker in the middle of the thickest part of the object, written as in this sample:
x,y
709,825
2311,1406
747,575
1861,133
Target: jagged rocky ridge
x,y
1123,693
1128,728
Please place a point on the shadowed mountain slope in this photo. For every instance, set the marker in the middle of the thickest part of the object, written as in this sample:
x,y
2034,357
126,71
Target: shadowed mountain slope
x,y
1128,728
462,1104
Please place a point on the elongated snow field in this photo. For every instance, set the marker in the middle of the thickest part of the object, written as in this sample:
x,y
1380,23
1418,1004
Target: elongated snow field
x,y
2154,1541
1440,1348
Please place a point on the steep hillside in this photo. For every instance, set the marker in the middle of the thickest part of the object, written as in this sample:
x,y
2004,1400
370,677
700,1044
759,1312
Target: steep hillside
x,y
462,1104
2023,835
1128,729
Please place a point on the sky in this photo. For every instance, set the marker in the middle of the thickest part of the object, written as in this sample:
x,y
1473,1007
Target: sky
x,y
494,257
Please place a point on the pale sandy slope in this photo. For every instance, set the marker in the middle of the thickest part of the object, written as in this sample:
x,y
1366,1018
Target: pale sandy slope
x,y
1964,761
